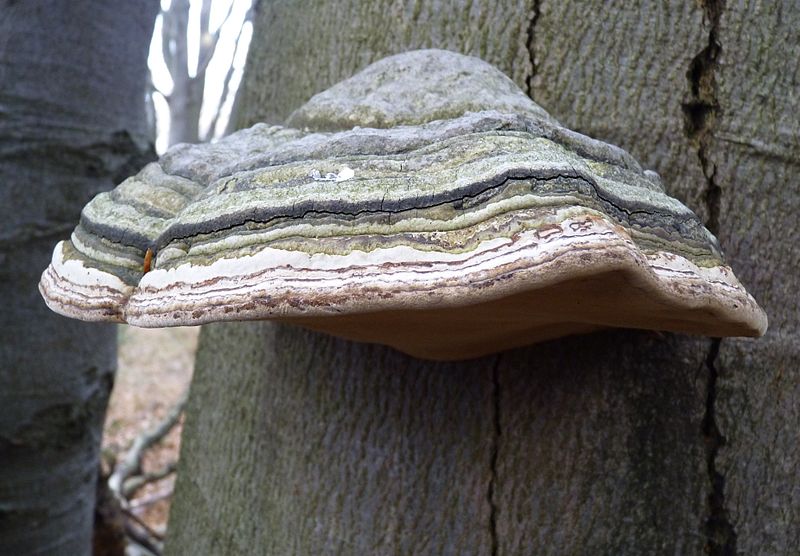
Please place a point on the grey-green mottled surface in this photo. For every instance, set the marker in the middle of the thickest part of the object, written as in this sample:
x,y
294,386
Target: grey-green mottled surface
x,y
401,171
390,92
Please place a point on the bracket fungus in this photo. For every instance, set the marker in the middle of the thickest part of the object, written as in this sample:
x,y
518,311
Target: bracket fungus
x,y
425,203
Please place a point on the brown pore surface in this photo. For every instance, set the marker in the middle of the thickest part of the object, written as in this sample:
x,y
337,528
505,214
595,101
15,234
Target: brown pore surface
x,y
616,298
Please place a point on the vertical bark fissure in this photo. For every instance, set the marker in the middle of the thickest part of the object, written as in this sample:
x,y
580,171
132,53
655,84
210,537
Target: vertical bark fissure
x,y
702,107
493,456
700,115
530,43
719,531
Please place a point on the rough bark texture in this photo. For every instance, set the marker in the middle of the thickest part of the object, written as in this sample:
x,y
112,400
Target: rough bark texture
x,y
752,163
72,84
619,443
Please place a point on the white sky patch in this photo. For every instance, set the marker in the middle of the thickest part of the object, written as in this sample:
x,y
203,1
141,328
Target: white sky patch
x,y
225,55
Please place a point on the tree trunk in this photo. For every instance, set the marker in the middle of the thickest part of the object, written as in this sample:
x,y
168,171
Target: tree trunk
x,y
72,124
186,99
613,443
185,104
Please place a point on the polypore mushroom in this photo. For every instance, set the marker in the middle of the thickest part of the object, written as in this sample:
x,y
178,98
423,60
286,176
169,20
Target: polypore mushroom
x,y
426,204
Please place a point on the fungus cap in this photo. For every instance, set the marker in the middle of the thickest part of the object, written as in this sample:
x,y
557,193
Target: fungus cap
x,y
460,221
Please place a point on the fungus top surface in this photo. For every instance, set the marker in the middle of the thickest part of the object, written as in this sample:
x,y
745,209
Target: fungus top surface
x,y
425,203
414,88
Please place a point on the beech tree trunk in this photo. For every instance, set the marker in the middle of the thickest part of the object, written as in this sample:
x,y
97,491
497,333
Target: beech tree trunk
x,y
186,99
621,442
72,124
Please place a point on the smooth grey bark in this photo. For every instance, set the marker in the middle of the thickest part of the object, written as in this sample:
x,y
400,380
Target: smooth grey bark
x,y
615,443
72,124
345,448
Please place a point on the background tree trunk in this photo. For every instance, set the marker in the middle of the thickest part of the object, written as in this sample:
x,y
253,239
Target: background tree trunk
x,y
187,96
186,99
620,442
72,124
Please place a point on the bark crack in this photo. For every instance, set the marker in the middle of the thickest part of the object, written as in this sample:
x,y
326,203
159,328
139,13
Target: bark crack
x,y
530,44
719,531
702,108
493,457
701,111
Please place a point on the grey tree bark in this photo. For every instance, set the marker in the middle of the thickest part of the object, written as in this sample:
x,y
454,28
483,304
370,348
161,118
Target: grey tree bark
x,y
621,442
72,124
